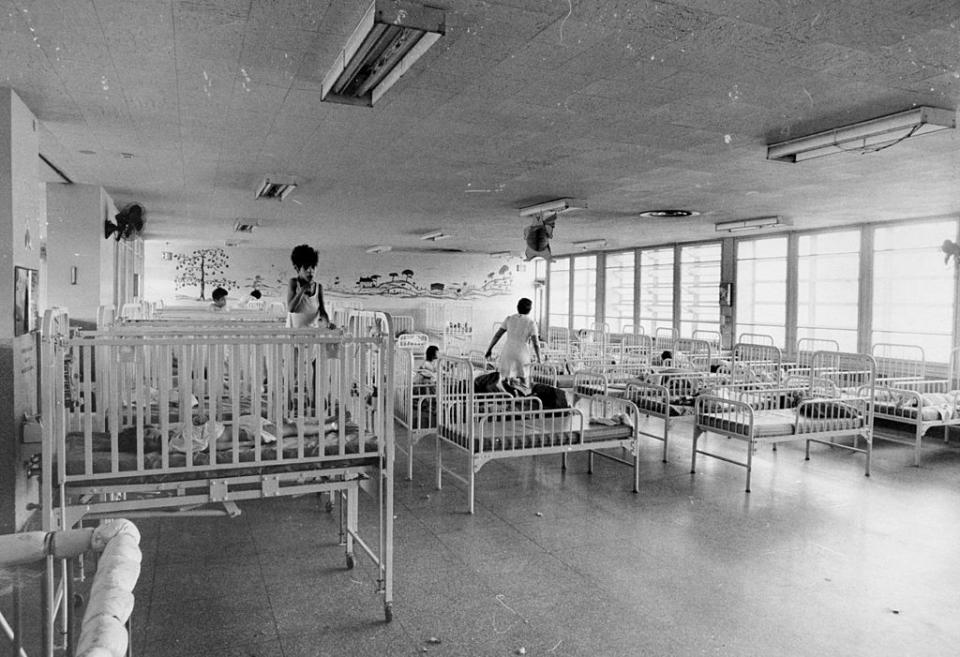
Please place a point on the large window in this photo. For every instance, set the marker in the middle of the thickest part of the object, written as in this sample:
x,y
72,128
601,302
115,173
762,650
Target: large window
x,y
558,288
913,291
828,283
584,292
656,289
699,288
761,292
618,292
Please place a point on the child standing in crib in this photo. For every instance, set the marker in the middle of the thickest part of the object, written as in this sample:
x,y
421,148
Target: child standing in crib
x,y
305,295
427,372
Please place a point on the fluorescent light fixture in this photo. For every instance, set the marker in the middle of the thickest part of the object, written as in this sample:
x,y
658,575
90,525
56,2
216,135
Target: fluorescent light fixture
x,y
867,136
748,224
556,205
435,236
166,255
391,36
380,248
245,225
590,245
275,190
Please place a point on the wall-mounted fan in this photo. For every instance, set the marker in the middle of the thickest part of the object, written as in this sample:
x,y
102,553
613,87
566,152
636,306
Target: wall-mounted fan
x,y
129,223
950,250
538,236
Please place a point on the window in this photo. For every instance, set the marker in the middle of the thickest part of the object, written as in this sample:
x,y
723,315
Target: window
x,y
761,294
656,289
828,283
913,291
618,292
584,310
699,288
558,289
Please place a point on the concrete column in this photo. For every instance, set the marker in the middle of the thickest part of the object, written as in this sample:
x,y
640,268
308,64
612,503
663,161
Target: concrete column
x,y
22,237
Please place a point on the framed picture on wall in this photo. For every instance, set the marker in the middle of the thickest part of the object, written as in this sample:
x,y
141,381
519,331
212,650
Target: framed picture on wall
x,y
26,291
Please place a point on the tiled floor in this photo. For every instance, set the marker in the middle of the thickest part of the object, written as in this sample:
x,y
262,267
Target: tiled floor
x,y
817,560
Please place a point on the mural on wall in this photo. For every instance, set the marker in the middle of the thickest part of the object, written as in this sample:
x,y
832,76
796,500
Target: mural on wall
x,y
203,268
194,274
403,284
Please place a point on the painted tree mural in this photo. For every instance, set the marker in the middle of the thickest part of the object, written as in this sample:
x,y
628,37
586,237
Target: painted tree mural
x,y
202,267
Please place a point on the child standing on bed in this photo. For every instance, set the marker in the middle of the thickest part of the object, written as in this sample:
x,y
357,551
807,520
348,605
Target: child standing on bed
x,y
305,295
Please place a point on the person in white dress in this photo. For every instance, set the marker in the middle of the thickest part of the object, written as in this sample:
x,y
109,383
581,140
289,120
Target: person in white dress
x,y
521,332
305,295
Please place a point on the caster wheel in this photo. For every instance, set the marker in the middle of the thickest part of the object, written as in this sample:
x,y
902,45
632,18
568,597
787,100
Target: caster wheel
x,y
77,600
350,562
388,612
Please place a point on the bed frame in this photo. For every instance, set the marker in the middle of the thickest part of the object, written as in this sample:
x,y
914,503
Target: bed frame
x,y
904,395
414,404
484,427
116,441
101,628
836,403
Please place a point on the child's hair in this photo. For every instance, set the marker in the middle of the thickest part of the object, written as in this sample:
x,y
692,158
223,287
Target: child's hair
x,y
255,294
666,355
218,294
432,352
524,306
304,255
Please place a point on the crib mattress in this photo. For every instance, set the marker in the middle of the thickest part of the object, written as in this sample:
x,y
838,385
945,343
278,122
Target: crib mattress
x,y
509,436
282,454
656,407
772,423
927,413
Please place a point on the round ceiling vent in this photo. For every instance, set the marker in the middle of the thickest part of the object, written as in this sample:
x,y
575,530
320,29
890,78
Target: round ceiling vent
x,y
670,214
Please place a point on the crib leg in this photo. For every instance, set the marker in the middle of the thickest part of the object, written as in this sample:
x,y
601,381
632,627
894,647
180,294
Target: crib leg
x,y
666,432
869,441
563,461
693,456
438,458
590,462
352,513
749,463
916,447
806,456
472,478
410,441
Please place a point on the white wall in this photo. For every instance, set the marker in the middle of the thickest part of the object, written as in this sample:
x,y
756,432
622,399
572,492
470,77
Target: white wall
x,y
489,287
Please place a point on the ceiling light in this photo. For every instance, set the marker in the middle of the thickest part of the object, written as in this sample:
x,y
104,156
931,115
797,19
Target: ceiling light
x,y
391,36
435,236
864,137
748,224
556,205
245,225
672,214
166,255
379,248
275,189
590,245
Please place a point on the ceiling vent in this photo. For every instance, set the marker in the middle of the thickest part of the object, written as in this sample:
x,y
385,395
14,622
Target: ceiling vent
x,y
275,190
245,225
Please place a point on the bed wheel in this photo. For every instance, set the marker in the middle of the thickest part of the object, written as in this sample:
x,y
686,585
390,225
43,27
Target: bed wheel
x,y
388,612
77,600
350,562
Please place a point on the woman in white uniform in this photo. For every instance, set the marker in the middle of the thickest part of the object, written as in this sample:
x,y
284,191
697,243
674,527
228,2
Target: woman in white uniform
x,y
305,295
521,331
